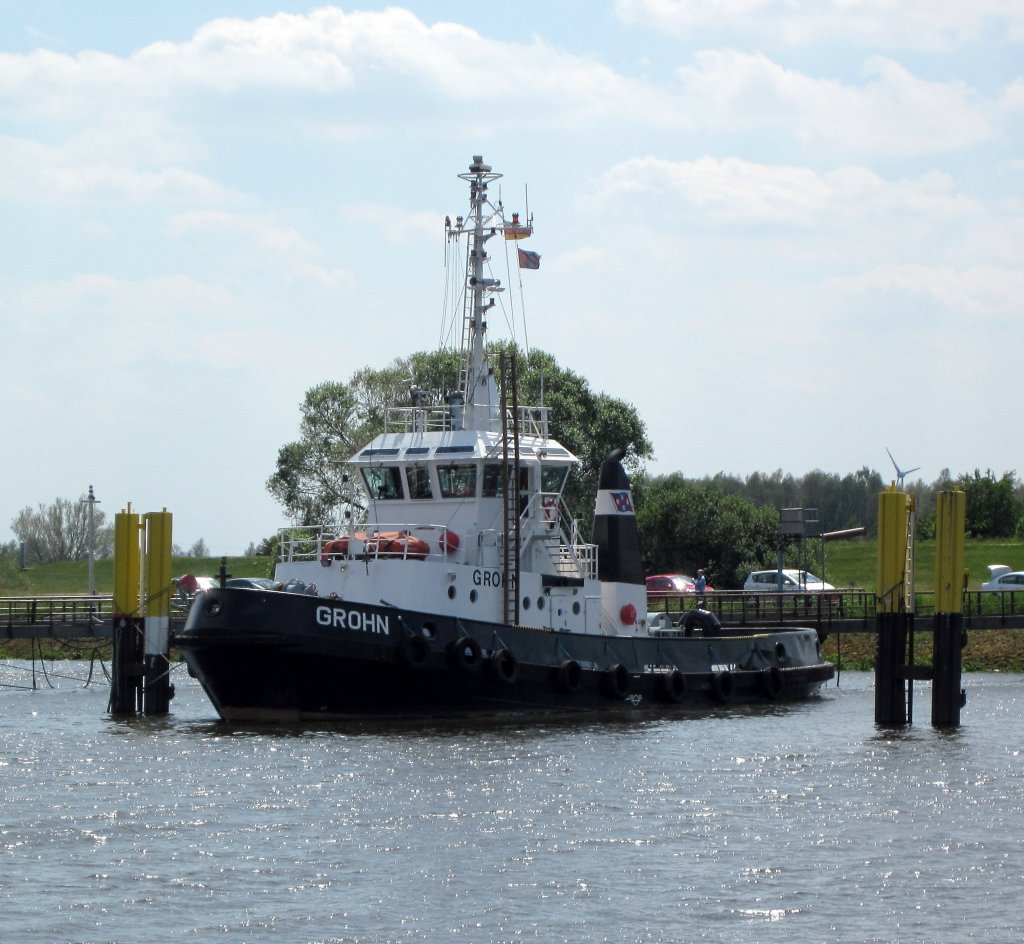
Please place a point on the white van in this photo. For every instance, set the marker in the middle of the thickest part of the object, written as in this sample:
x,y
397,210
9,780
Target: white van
x,y
792,581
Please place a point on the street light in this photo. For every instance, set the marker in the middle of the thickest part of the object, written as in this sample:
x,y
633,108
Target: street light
x,y
91,502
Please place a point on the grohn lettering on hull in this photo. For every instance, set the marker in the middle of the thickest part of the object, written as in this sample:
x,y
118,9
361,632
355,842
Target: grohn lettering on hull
x,y
340,618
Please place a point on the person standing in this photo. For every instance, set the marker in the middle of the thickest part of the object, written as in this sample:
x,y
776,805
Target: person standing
x,y
700,585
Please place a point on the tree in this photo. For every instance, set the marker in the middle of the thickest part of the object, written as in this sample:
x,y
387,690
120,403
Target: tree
x,y
308,480
11,577
588,424
686,525
339,418
993,506
60,531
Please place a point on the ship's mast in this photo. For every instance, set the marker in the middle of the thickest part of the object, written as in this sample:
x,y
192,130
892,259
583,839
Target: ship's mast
x,y
479,389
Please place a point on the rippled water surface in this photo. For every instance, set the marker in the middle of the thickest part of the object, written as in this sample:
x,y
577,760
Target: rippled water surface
x,y
796,823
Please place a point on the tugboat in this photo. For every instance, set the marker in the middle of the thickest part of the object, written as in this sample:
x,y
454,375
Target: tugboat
x,y
466,586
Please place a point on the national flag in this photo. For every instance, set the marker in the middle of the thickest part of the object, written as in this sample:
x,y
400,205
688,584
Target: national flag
x,y
529,260
623,502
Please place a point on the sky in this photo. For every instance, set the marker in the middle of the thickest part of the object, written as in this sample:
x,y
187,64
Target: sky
x,y
791,234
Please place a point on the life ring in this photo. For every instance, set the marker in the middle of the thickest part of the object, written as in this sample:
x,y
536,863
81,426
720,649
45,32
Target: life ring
x,y
772,681
570,676
673,686
616,680
465,653
723,685
704,620
505,665
413,651
448,542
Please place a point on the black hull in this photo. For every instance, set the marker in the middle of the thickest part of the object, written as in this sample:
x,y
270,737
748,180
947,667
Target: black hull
x,y
272,656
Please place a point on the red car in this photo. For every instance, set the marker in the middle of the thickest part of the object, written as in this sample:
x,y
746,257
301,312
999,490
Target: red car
x,y
673,583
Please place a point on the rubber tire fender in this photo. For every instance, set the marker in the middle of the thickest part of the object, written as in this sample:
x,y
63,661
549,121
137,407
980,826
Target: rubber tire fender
x,y
465,653
413,651
772,681
723,686
673,686
505,665
705,620
570,676
616,681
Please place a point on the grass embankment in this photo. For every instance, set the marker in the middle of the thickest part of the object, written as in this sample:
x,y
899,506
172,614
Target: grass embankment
x,y
987,650
854,563
68,578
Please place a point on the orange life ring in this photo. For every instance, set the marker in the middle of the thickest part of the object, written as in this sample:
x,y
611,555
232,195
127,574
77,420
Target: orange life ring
x,y
448,542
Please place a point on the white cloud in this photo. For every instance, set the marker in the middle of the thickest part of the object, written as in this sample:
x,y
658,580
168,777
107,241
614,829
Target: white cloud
x,y
397,226
736,191
119,309
983,291
283,245
148,112
914,24
894,113
327,51
77,170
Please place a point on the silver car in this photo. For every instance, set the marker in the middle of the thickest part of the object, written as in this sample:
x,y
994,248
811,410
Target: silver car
x,y
792,581
1000,577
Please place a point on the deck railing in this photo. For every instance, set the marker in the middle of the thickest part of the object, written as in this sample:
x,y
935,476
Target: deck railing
x,y
532,420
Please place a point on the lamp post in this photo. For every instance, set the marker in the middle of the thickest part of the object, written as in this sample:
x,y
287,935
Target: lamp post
x,y
91,502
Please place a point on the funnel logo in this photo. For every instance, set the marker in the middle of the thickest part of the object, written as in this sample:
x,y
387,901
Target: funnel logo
x,y
623,502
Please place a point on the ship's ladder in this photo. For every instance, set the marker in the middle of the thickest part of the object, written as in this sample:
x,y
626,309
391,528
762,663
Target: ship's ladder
x,y
511,521
908,564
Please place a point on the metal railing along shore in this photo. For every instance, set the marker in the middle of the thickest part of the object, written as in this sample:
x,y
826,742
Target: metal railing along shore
x,y
839,611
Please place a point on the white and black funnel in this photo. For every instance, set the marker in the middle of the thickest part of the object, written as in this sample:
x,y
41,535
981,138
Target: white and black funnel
x,y
619,561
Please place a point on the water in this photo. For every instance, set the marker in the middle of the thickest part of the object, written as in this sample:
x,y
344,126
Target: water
x,y
798,823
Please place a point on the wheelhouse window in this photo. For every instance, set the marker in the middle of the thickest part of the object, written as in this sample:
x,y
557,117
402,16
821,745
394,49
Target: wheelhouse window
x,y
457,481
552,477
383,482
492,480
419,483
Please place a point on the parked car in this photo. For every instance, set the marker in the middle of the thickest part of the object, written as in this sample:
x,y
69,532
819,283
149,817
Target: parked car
x,y
673,583
793,581
1000,577
251,583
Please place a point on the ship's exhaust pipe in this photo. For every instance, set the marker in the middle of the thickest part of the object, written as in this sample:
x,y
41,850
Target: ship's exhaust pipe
x,y
620,561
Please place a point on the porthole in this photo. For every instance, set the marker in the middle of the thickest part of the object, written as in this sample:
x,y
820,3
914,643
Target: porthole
x,y
526,603
576,609
472,596
540,603
451,593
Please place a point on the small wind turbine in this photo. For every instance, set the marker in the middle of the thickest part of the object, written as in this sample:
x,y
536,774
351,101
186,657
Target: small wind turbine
x,y
901,474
